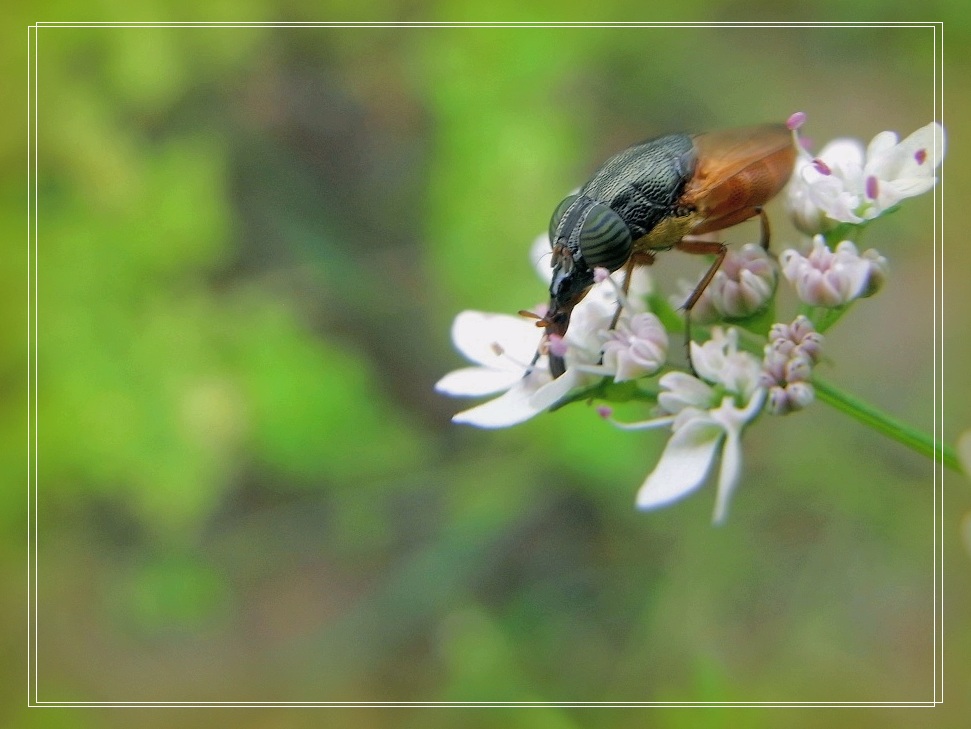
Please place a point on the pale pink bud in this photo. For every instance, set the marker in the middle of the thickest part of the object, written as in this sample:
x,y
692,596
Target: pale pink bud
x,y
824,277
742,287
879,269
799,336
637,347
788,363
800,394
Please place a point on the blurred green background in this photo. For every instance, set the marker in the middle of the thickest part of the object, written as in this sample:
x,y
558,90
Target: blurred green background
x,y
252,243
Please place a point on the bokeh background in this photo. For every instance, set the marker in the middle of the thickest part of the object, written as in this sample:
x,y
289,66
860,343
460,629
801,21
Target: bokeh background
x,y
252,243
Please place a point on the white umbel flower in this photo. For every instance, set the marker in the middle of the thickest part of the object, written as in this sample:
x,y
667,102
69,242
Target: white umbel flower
x,y
847,183
707,415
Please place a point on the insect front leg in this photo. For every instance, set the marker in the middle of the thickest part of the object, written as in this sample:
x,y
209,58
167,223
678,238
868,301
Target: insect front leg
x,y
699,247
637,259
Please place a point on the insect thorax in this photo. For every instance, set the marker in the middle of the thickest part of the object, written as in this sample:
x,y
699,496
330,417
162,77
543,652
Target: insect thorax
x,y
667,233
643,183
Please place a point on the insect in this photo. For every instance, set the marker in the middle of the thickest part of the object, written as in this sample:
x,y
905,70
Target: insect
x,y
659,195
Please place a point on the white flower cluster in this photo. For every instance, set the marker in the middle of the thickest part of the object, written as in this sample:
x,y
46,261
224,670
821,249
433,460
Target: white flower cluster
x,y
708,408
846,183
707,414
503,348
849,185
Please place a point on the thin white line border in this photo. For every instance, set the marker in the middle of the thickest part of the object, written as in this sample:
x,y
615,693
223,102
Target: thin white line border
x,y
32,371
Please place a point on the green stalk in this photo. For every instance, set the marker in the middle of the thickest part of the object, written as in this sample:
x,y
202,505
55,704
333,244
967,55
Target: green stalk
x,y
880,421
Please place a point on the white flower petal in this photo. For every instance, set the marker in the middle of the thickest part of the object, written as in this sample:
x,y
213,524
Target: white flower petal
x,y
881,144
843,156
496,340
681,390
896,190
733,420
638,346
728,474
641,283
709,358
853,270
719,361
900,161
510,408
684,464
555,390
476,381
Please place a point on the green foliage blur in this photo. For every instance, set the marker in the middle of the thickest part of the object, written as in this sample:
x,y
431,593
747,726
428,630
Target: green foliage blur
x,y
251,243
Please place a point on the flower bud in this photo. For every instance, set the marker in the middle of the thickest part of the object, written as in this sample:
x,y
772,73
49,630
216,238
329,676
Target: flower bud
x,y
800,394
824,277
787,365
744,283
801,335
879,269
637,347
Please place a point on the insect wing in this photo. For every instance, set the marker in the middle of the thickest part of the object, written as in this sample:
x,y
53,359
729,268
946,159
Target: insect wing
x,y
738,170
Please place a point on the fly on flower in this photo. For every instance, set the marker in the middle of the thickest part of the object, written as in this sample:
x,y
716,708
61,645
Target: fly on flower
x,y
657,195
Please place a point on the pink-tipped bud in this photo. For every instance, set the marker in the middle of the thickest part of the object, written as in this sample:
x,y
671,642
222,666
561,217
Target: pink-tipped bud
x,y
800,337
800,394
778,403
605,412
798,369
637,347
800,328
787,367
796,120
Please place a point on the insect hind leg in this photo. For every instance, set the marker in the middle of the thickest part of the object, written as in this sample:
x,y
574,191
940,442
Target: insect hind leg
x,y
765,232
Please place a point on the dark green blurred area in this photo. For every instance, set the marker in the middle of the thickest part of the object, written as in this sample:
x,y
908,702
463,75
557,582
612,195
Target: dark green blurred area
x,y
252,242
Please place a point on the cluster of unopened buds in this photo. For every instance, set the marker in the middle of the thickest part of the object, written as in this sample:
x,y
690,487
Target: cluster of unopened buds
x,y
750,363
787,367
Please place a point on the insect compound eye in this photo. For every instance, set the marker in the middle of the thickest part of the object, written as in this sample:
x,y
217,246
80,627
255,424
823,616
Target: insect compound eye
x,y
558,214
605,239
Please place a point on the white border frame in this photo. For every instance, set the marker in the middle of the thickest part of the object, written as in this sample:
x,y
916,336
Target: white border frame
x,y
33,698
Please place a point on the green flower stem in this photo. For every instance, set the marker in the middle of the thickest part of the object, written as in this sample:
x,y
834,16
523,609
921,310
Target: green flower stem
x,y
888,426
607,389
823,318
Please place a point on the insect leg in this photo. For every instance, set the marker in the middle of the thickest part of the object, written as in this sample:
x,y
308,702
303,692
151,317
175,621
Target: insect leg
x,y
645,259
699,247
764,236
